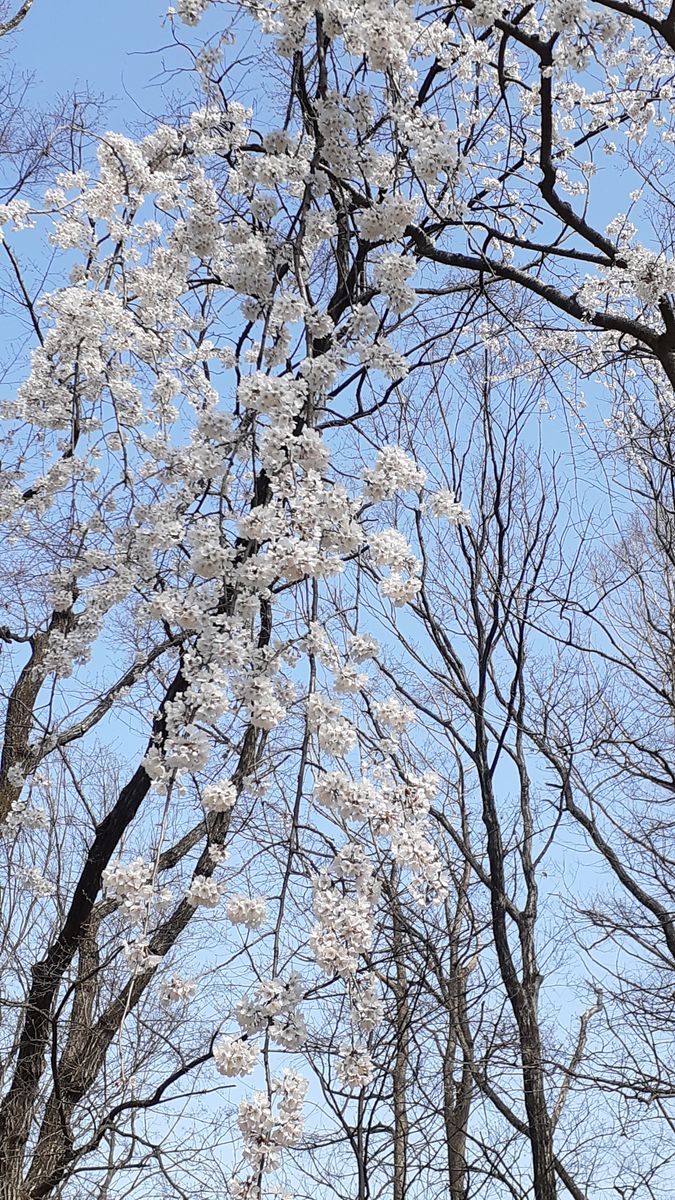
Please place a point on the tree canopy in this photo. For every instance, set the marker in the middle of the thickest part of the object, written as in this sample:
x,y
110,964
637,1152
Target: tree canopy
x,y
337,684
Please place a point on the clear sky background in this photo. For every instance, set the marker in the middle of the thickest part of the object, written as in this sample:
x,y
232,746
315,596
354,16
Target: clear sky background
x,y
115,48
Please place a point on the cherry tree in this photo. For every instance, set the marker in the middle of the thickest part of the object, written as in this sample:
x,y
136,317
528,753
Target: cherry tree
x,y
282,539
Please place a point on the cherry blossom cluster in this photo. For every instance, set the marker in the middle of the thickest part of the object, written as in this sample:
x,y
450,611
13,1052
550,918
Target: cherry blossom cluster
x,y
355,1067
25,815
175,989
274,1007
130,885
267,1124
235,1056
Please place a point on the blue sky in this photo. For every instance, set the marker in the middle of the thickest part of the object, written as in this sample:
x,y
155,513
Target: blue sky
x,y
70,43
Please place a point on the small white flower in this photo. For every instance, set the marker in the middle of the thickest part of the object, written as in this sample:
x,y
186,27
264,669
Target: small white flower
x,y
235,1056
362,647
204,891
445,504
242,910
399,589
138,956
176,989
219,797
36,882
395,715
394,471
355,1067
